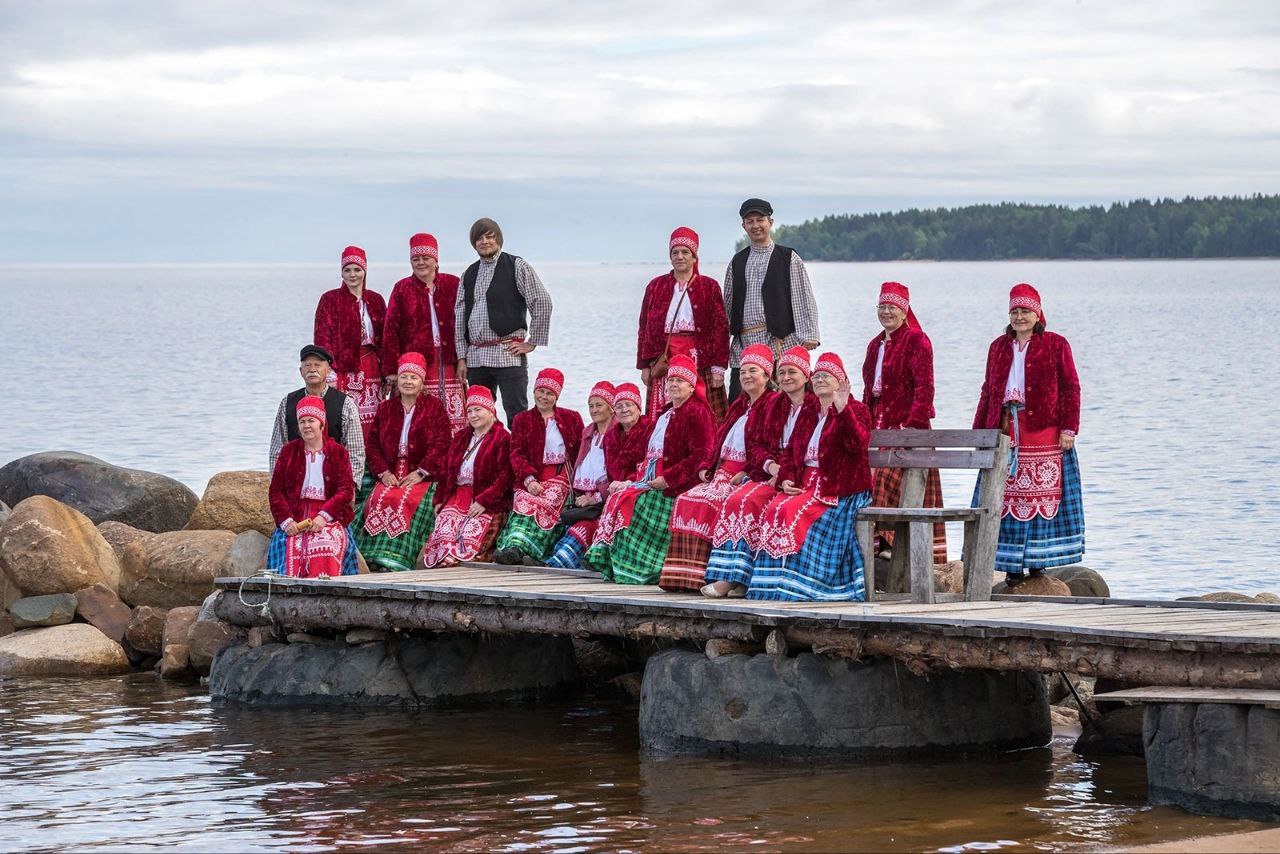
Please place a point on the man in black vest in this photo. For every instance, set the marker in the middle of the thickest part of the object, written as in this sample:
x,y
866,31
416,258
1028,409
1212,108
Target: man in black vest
x,y
341,414
502,313
767,294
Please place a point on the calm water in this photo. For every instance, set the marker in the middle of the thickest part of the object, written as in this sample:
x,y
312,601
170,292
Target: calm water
x,y
180,369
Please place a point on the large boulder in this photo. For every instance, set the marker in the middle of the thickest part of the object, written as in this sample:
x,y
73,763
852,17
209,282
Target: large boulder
x,y
4,512
47,547
1229,596
173,569
101,608
235,501
949,577
76,649
1081,580
100,490
145,633
175,658
56,609
119,535
1035,585
247,555
206,639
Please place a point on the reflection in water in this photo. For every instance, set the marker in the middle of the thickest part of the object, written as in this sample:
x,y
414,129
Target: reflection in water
x,y
135,763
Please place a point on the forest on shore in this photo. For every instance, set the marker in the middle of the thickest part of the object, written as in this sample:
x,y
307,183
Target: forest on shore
x,y
1212,227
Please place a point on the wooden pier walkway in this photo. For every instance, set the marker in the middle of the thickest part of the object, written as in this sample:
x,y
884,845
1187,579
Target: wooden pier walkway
x,y
1199,644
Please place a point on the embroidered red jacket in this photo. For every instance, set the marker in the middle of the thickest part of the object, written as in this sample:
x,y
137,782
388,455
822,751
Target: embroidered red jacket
x,y
408,326
338,328
589,433
711,332
529,438
688,446
843,467
1053,387
429,437
736,409
491,486
764,433
285,493
906,380
624,451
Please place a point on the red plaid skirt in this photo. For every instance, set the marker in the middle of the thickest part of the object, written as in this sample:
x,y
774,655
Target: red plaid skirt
x,y
887,492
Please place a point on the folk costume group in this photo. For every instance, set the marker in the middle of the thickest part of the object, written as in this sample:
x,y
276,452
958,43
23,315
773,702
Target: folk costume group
x,y
736,466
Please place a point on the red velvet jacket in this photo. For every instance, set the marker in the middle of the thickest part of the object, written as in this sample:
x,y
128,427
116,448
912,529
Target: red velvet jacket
x,y
687,447
906,379
764,433
735,411
843,467
709,318
529,437
492,483
338,325
285,492
408,326
429,437
624,451
584,447
1053,387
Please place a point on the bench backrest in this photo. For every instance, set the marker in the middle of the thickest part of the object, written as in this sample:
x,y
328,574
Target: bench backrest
x,y
934,449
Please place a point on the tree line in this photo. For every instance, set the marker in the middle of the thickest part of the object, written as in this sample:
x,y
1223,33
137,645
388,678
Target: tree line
x,y
1212,227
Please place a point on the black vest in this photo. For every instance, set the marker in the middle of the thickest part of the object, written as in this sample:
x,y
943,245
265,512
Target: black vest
x,y
334,400
775,292
507,308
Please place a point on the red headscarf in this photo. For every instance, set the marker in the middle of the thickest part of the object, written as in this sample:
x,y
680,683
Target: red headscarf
x,y
424,244
413,363
688,238
797,357
896,293
1025,296
550,379
355,255
832,364
478,395
760,355
603,390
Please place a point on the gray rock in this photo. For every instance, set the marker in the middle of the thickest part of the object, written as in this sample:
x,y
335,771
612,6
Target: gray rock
x,y
409,670
816,705
1214,758
1117,732
57,609
206,638
4,512
101,608
247,555
100,490
145,633
207,607
359,636
75,649
1081,580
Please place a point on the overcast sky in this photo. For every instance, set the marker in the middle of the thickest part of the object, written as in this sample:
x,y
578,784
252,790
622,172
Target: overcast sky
x,y
280,130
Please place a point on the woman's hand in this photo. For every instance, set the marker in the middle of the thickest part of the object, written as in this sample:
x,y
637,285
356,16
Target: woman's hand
x,y
534,488
717,380
1066,442
617,486
291,529
704,475
738,478
789,488
413,478
842,396
388,479
476,509
318,524
585,500
658,482
771,468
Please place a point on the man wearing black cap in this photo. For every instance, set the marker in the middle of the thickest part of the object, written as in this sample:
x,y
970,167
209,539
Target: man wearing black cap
x,y
767,294
341,415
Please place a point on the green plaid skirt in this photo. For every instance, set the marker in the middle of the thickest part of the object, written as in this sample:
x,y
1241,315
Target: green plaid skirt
x,y
399,553
636,554
522,533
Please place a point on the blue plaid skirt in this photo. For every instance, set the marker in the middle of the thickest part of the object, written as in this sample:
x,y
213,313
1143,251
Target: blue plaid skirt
x,y
567,553
732,562
275,553
828,567
1041,543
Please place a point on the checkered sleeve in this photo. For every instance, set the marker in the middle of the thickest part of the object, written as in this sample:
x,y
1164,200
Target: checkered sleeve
x,y
459,322
538,301
353,438
728,290
277,438
803,305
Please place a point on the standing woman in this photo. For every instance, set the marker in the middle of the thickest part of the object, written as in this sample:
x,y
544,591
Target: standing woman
x,y
407,451
683,315
635,528
349,324
897,386
543,441
736,538
808,548
420,320
311,496
475,494
590,482
696,513
1032,393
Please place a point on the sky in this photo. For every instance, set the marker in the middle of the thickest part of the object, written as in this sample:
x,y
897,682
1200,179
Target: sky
x,y
281,131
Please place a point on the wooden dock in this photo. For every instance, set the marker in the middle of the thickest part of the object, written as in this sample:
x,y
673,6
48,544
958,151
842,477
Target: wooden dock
x,y
1195,644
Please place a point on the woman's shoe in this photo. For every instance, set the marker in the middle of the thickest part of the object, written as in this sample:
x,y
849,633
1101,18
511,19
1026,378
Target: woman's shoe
x,y
710,591
508,556
737,591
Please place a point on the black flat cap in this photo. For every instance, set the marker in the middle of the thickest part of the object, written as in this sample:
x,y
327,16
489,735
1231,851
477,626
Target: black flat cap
x,y
315,350
755,206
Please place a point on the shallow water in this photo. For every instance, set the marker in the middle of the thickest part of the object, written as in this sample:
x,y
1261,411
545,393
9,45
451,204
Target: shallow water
x,y
133,763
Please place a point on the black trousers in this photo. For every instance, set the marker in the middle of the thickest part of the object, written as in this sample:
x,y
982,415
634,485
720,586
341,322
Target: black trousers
x,y
735,384
511,384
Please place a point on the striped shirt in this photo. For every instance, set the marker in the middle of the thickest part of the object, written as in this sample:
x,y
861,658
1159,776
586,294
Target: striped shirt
x,y
803,306
352,437
535,297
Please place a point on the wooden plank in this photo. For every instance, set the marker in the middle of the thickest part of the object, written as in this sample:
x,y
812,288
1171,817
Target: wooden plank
x,y
921,514
912,438
980,549
898,458
977,586
866,534
1174,694
920,548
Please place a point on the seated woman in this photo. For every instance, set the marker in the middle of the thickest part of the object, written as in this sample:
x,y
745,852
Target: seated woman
x,y
590,482
311,497
808,549
474,495
407,450
694,519
634,530
543,441
770,428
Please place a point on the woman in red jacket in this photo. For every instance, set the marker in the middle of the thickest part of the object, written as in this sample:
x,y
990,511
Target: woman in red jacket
x,y
683,315
544,441
473,498
420,320
770,430
349,323
631,540
311,496
590,481
1032,393
693,521
897,386
407,450
808,548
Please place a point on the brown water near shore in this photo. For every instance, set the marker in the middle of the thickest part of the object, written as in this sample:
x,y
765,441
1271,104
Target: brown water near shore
x,y
135,763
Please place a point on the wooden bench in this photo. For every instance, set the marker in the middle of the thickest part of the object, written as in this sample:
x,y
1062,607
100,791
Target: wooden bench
x,y
917,451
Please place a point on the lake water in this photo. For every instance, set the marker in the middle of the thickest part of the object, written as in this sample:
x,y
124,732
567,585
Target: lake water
x,y
180,369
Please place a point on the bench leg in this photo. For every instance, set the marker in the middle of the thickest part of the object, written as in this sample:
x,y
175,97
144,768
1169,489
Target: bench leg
x,y
977,582
899,580
921,549
867,545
